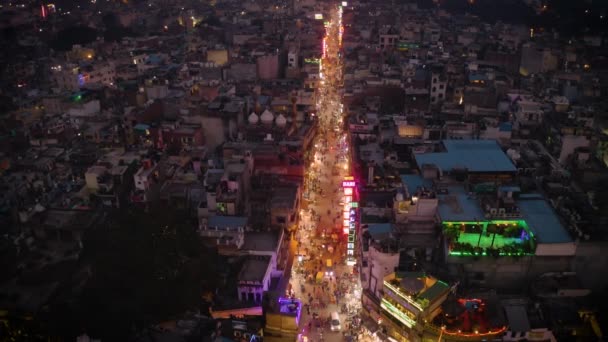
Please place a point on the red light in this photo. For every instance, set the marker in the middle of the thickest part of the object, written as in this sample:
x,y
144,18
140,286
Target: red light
x,y
345,231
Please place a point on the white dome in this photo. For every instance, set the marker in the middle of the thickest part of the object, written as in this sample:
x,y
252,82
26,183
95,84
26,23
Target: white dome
x,y
267,117
253,118
280,120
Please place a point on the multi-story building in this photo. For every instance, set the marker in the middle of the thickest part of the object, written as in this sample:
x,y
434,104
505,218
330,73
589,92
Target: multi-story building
x,y
409,300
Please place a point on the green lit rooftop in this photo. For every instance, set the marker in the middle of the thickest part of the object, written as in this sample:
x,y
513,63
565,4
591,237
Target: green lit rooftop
x,y
491,237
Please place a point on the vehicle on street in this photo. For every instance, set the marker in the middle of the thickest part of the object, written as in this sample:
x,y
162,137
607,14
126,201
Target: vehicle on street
x,y
329,269
335,322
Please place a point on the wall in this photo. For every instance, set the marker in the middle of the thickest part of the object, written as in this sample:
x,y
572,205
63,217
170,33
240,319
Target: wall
x,y
569,144
268,67
505,272
591,259
379,266
213,131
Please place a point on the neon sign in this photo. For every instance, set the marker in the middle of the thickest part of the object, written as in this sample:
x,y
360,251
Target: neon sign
x,y
349,218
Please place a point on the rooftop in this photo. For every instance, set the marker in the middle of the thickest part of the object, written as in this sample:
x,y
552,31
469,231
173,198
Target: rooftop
x,y
542,220
414,182
473,155
254,269
419,286
261,241
459,206
379,231
225,222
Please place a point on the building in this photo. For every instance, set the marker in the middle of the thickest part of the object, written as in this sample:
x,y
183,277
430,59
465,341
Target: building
x,y
409,300
284,206
254,278
481,160
225,232
282,319
439,82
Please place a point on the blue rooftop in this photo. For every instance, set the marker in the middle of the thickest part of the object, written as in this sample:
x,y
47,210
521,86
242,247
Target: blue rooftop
x,y
414,182
505,127
457,206
379,230
263,100
542,220
141,127
224,222
473,155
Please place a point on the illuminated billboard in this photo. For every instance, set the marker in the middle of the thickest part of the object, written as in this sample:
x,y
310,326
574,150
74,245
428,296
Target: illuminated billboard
x,y
349,215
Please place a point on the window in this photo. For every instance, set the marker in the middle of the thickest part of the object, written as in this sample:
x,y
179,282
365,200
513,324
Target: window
x,y
434,80
281,219
440,96
434,89
441,86
433,99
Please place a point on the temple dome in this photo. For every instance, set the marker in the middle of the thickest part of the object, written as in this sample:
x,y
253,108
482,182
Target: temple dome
x,y
280,120
253,118
267,117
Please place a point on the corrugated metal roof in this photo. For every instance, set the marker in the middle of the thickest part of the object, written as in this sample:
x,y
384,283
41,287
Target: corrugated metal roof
x,y
473,155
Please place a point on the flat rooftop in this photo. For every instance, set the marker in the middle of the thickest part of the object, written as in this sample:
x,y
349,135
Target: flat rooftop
x,y
254,269
457,205
542,219
418,285
224,222
261,241
413,182
473,155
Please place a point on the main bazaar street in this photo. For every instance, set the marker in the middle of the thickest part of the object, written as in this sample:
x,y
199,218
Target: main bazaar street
x,y
322,276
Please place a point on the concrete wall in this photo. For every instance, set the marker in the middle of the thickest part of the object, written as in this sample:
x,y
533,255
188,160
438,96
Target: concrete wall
x,y
591,259
268,67
379,266
214,131
505,272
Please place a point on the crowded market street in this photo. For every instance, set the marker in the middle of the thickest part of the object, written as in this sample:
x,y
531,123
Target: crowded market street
x,y
324,276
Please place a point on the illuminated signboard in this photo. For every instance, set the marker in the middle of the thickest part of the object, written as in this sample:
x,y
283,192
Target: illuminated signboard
x,y
350,218
312,61
319,16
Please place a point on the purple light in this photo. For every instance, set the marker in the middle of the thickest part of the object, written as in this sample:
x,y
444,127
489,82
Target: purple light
x,y
81,80
297,303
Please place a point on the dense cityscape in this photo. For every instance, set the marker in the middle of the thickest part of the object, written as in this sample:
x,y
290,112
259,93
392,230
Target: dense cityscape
x,y
303,170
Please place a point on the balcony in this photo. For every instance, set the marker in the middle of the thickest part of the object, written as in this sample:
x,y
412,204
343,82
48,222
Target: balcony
x,y
397,312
